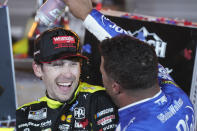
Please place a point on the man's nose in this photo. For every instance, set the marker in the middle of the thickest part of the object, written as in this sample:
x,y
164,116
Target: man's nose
x,y
66,71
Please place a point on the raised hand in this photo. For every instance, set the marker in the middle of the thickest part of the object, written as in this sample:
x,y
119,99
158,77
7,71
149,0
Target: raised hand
x,y
79,8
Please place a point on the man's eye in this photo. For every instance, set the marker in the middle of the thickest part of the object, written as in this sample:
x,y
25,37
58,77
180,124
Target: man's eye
x,y
57,64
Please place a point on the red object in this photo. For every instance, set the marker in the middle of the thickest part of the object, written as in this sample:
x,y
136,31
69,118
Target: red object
x,y
84,123
135,17
187,54
161,20
20,56
187,23
63,39
126,14
99,6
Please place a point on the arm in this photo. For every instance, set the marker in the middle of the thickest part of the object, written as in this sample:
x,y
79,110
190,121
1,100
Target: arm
x,y
104,114
164,78
94,21
102,28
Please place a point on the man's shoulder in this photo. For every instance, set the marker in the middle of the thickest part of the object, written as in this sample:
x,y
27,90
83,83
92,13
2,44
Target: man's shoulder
x,y
35,103
85,87
174,91
96,93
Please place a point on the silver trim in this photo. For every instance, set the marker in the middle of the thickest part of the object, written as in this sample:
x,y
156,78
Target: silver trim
x,y
193,90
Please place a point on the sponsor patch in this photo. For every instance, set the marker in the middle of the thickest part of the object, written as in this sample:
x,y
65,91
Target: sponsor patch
x,y
88,88
79,113
38,115
170,111
31,124
161,100
48,129
106,120
84,123
68,118
78,124
64,41
63,117
26,129
46,123
163,73
109,127
64,127
103,112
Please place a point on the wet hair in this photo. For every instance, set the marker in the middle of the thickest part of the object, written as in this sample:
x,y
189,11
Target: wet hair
x,y
130,62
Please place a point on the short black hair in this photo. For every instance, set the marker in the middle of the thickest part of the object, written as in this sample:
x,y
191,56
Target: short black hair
x,y
130,62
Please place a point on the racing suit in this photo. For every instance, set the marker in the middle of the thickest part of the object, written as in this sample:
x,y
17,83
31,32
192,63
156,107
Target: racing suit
x,y
89,109
170,109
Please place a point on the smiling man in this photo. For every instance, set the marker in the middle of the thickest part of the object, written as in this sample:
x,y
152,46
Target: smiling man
x,y
69,104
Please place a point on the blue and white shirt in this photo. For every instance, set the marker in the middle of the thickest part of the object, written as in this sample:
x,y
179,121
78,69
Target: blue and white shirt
x,y
169,110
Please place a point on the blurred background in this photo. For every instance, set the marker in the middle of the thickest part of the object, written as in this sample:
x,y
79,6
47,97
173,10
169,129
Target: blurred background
x,y
22,10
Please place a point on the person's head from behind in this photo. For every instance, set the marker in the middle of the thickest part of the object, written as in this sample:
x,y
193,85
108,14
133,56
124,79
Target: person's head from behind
x,y
127,64
57,61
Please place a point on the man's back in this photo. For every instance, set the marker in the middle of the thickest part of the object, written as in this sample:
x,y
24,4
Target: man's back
x,y
168,110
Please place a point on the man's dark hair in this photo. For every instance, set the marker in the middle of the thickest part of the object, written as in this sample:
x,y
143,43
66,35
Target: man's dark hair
x,y
130,62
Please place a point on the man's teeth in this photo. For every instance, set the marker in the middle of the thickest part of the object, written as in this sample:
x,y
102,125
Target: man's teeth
x,y
64,84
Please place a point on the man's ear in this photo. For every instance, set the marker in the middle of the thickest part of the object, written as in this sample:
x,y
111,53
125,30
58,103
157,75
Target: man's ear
x,y
116,88
37,69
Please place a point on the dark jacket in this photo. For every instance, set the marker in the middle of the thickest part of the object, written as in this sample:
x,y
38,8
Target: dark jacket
x,y
89,109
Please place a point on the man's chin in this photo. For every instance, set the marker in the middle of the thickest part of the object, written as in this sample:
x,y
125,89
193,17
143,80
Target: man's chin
x,y
64,97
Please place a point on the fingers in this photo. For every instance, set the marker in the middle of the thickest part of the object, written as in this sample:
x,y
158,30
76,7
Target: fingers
x,y
79,8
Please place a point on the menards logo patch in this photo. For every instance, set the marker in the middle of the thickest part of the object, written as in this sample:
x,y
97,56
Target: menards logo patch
x,y
64,41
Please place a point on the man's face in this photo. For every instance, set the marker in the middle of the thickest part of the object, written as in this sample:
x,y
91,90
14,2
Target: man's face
x,y
61,78
107,82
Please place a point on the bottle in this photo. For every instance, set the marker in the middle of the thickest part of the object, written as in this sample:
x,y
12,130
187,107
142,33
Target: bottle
x,y
49,12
